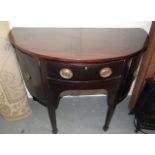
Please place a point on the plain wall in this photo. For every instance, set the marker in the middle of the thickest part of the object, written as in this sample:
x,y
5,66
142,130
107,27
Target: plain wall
x,y
20,22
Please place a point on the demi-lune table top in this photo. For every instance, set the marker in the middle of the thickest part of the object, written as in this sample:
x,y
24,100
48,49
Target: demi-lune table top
x,y
79,44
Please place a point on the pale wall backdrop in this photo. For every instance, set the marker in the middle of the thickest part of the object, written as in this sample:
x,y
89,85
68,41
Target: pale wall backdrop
x,y
69,22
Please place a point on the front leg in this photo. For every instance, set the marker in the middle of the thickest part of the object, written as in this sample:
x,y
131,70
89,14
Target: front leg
x,y
111,109
112,100
53,103
52,116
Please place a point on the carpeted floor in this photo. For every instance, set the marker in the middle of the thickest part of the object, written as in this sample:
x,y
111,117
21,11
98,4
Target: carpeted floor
x,y
75,115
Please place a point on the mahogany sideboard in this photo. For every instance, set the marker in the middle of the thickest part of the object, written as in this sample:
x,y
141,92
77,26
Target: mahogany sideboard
x,y
54,60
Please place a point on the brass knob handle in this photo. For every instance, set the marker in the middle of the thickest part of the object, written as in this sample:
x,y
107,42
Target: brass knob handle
x,y
27,76
66,73
105,72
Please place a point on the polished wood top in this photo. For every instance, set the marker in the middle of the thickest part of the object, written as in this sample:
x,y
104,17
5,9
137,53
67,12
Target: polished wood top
x,y
79,44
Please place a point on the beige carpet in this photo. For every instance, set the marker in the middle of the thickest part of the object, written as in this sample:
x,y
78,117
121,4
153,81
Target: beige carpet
x,y
13,97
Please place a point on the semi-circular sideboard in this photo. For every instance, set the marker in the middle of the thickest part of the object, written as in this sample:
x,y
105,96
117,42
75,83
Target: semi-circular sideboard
x,y
54,60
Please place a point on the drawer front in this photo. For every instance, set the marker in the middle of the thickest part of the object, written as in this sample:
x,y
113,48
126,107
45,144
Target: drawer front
x,y
84,71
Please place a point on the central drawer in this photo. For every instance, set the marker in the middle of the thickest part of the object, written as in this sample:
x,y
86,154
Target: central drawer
x,y
84,71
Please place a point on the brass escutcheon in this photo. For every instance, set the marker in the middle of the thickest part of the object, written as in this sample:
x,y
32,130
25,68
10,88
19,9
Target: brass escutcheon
x,y
66,73
105,72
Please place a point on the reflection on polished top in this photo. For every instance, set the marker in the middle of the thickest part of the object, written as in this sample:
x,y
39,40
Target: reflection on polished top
x,y
79,44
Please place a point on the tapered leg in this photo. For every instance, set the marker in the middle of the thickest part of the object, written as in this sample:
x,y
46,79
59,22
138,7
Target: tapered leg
x,y
112,100
137,127
54,100
111,109
52,115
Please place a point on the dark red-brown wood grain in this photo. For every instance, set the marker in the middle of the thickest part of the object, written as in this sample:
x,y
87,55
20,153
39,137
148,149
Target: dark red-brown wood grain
x,y
79,44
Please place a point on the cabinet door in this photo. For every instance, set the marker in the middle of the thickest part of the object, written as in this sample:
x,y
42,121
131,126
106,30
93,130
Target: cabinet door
x,y
30,67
